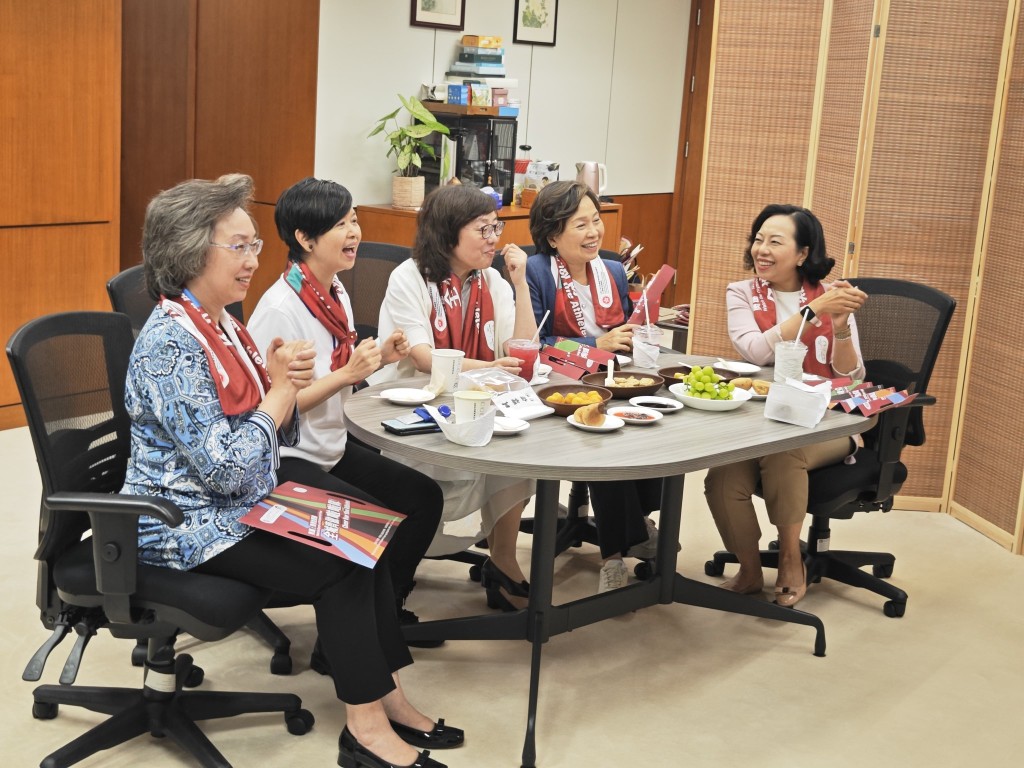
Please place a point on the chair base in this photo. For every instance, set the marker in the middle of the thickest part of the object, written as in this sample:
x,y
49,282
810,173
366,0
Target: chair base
x,y
271,634
137,711
839,565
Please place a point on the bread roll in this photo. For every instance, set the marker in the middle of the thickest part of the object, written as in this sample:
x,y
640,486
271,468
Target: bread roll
x,y
761,387
590,415
743,383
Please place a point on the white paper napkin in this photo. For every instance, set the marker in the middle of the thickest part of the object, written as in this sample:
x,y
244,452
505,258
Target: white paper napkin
x,y
474,433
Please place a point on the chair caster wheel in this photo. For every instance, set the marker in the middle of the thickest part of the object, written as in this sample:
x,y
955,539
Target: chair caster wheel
x,y
299,722
882,571
194,678
714,568
474,573
281,664
44,710
643,570
773,545
893,609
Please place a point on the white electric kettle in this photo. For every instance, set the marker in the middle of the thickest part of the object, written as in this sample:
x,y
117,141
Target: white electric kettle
x,y
594,175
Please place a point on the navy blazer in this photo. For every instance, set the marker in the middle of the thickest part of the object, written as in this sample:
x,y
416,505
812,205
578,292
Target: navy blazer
x,y
542,294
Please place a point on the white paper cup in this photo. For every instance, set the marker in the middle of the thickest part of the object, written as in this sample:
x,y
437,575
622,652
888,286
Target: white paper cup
x,y
470,405
646,346
789,360
445,366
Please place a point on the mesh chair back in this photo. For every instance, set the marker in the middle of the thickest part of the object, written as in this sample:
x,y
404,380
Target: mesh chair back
x,y
367,282
128,295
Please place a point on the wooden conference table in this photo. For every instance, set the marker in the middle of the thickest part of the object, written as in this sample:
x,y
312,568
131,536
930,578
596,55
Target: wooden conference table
x,y
681,442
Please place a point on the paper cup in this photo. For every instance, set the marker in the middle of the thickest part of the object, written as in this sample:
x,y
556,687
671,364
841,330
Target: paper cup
x,y
789,360
646,346
470,405
445,366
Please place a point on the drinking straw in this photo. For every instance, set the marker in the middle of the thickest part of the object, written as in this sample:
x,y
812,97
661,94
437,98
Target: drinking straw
x,y
536,336
803,319
647,312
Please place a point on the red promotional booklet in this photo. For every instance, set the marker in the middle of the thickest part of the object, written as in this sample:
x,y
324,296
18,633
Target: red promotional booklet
x,y
342,525
652,292
572,359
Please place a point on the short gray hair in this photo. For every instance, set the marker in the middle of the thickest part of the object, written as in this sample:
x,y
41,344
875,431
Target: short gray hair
x,y
178,227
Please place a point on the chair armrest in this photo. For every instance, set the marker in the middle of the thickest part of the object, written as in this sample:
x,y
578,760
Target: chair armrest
x,y
114,520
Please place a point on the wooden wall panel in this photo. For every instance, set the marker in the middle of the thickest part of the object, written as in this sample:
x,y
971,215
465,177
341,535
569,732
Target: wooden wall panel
x,y
757,142
831,197
990,456
88,257
256,91
646,219
59,76
158,122
928,166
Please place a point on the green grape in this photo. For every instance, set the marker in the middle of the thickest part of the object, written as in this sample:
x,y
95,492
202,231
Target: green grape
x,y
730,386
708,371
706,379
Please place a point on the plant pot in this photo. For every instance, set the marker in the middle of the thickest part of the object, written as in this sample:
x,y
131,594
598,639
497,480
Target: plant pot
x,y
407,191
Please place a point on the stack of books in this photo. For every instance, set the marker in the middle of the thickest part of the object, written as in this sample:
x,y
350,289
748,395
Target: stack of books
x,y
479,57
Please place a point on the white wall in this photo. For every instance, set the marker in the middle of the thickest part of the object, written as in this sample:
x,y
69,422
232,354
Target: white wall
x,y
610,90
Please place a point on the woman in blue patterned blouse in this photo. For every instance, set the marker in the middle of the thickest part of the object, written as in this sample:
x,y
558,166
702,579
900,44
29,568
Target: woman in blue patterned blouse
x,y
207,417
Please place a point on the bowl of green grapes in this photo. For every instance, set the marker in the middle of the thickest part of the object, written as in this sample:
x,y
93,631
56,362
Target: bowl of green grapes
x,y
706,390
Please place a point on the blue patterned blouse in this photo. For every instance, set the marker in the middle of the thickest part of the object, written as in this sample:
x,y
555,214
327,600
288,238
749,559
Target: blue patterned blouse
x,y
185,449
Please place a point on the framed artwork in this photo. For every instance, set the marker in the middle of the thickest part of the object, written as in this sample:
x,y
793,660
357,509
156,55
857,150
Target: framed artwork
x,y
536,21
440,14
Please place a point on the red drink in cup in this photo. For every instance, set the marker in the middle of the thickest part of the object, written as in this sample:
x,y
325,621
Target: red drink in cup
x,y
525,350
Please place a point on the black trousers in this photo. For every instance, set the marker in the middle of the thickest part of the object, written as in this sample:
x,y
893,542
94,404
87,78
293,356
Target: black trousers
x,y
367,475
619,508
354,607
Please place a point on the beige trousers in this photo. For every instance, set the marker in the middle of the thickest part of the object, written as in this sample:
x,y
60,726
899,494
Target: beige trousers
x,y
783,480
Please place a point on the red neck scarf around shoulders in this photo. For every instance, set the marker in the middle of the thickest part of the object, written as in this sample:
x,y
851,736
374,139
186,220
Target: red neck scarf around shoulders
x,y
473,334
237,366
568,317
325,306
762,303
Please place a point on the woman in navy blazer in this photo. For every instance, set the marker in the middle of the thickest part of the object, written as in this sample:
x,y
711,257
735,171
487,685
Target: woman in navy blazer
x,y
589,302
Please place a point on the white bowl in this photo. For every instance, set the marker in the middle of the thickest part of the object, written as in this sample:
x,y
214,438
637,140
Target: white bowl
x,y
739,397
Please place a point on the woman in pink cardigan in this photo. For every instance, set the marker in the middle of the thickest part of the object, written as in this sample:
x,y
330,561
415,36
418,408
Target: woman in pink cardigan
x,y
786,251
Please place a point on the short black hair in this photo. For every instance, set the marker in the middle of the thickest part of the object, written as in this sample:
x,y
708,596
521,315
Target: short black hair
x,y
444,213
311,206
553,207
809,235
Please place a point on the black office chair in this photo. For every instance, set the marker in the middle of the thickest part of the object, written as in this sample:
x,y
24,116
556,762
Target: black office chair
x,y
367,282
70,370
901,328
128,295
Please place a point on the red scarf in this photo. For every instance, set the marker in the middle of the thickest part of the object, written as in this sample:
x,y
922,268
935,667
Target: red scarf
x,y
326,307
475,335
567,318
762,303
242,381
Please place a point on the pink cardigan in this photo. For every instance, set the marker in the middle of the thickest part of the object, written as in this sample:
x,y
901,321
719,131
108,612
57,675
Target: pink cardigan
x,y
758,347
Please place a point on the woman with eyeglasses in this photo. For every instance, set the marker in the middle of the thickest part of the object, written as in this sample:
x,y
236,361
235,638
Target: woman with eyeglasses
x,y
207,418
586,299
448,296
316,220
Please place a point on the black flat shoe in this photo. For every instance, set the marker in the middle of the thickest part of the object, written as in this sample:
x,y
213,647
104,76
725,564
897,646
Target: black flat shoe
x,y
494,580
441,736
352,754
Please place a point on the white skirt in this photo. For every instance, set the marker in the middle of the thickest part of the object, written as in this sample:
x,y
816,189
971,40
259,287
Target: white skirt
x,y
473,503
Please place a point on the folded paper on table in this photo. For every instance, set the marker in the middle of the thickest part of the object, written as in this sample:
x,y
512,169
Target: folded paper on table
x,y
474,433
522,404
652,294
868,399
572,359
341,525
794,402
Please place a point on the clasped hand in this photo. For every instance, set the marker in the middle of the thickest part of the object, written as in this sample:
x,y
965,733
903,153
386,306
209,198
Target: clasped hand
x,y
291,361
841,299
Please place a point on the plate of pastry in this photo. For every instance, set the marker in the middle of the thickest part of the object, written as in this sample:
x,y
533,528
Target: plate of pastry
x,y
607,424
758,388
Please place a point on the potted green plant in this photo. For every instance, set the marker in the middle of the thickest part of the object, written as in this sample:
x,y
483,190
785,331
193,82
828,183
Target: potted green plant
x,y
407,143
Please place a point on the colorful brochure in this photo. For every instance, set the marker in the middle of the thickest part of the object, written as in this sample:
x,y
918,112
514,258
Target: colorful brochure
x,y
572,359
867,398
341,525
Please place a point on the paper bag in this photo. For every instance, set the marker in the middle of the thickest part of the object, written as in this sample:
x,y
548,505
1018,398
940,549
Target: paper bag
x,y
794,402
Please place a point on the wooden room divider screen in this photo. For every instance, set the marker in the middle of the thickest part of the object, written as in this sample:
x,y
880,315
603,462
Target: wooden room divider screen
x,y
882,117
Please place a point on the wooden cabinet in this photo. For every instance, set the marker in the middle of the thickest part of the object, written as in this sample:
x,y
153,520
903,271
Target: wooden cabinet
x,y
384,224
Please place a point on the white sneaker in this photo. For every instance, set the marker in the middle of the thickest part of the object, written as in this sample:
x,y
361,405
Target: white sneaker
x,y
614,575
647,550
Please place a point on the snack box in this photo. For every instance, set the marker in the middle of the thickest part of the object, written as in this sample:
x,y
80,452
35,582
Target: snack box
x,y
481,41
458,94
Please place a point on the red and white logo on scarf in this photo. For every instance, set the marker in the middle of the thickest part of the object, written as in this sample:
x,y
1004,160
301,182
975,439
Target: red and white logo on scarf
x,y
568,317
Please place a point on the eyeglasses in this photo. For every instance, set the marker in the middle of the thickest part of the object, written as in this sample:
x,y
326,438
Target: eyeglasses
x,y
487,230
242,249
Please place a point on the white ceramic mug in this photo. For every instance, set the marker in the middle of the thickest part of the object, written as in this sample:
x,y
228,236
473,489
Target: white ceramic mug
x,y
470,405
445,367
789,360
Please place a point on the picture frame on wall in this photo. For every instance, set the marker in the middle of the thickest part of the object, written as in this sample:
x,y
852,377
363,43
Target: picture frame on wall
x,y
536,22
439,14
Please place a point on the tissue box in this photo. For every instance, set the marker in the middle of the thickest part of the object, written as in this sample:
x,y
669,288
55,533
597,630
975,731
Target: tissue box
x,y
794,402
